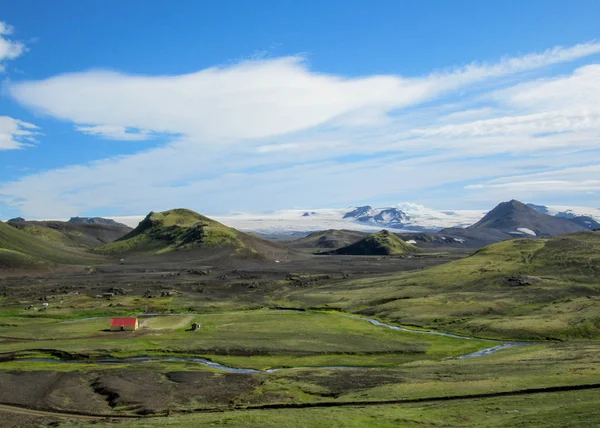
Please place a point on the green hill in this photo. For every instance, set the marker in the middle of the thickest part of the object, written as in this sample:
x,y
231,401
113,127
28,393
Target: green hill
x,y
382,243
528,288
331,238
183,229
19,249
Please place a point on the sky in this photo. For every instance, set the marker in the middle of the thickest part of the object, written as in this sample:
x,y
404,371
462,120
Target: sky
x,y
119,108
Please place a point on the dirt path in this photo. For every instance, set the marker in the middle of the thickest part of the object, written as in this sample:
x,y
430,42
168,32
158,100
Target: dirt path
x,y
52,413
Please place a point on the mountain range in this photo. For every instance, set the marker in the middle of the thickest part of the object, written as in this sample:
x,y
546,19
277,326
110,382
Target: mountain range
x,y
402,218
25,243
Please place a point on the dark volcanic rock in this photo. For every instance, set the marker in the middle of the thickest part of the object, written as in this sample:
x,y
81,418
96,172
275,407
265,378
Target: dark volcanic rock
x,y
521,280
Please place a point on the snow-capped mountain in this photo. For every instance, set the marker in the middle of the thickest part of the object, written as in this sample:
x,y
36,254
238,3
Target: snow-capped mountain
x,y
407,217
403,217
586,217
387,217
566,211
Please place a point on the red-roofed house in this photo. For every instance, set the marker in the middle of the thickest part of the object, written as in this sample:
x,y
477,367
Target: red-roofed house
x,y
124,324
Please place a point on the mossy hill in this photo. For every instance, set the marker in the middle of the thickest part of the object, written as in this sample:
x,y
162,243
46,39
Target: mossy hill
x,y
19,249
331,238
182,229
522,288
382,243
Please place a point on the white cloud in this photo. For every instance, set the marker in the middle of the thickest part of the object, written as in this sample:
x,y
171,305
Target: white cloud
x,y
9,49
15,134
272,134
542,114
253,99
112,132
579,90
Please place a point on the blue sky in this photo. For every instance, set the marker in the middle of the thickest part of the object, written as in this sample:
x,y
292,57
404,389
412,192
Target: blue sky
x,y
119,108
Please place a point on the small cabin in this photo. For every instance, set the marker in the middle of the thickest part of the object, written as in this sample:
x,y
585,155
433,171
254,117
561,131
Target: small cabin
x,y
124,324
195,326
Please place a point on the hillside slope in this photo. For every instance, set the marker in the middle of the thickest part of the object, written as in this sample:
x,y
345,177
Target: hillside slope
x,y
382,243
18,249
529,288
72,234
515,217
183,229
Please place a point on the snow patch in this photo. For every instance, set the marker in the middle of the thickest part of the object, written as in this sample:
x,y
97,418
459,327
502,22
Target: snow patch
x,y
412,241
526,231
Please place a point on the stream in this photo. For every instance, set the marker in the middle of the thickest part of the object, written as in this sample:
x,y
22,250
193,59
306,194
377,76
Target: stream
x,y
498,346
202,361
487,351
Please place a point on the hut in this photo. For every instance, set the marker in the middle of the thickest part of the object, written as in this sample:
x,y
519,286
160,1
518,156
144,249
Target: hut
x,y
124,324
195,326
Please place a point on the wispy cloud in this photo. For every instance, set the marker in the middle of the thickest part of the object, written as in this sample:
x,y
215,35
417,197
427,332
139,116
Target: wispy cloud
x,y
112,132
16,134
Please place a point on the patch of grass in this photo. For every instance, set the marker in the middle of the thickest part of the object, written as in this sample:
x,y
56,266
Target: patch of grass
x,y
278,337
50,235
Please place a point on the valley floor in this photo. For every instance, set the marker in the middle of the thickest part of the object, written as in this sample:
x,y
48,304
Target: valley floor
x,y
288,344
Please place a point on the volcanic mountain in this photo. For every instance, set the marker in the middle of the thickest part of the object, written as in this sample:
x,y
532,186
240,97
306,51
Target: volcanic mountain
x,y
379,244
183,229
515,219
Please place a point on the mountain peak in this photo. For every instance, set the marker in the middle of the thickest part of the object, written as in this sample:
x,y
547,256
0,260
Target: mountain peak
x,y
516,218
358,212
